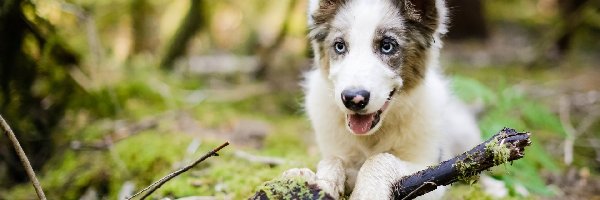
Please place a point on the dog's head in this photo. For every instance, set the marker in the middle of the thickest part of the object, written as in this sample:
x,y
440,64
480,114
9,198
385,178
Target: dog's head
x,y
371,50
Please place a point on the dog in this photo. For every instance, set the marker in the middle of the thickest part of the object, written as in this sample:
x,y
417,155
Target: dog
x,y
376,98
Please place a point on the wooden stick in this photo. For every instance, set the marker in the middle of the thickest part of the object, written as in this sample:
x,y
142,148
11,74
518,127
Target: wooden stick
x,y
508,145
23,158
154,186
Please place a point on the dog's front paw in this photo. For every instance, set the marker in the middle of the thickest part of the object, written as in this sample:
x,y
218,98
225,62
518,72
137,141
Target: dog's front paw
x,y
331,176
304,173
380,172
377,175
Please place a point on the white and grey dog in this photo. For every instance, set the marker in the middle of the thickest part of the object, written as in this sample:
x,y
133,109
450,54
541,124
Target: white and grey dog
x,y
379,106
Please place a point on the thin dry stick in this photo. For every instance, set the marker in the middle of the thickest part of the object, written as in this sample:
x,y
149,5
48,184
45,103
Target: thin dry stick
x,y
154,186
23,158
570,131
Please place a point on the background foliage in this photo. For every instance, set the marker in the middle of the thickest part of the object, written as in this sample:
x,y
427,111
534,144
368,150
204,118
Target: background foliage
x,y
108,96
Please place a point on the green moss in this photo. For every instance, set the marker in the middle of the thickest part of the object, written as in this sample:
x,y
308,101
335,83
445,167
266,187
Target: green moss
x,y
291,188
498,151
464,168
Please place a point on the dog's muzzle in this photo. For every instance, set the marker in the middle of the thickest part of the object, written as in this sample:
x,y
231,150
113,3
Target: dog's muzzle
x,y
362,123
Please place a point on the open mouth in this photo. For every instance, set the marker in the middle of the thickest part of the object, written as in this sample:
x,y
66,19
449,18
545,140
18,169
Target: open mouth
x,y
362,123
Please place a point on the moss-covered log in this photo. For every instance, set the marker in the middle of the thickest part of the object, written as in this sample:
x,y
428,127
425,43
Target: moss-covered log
x,y
505,146
294,188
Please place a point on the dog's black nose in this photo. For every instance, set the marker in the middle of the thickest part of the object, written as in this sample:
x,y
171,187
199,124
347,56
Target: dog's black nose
x,y
355,99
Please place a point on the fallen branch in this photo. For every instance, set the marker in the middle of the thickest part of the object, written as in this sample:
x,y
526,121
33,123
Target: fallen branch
x,y
505,146
570,131
508,145
271,161
23,158
154,186
120,132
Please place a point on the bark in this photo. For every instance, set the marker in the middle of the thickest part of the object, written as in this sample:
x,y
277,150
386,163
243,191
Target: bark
x,y
505,146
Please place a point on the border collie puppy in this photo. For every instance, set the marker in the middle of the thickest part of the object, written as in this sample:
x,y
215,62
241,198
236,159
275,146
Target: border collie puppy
x,y
379,106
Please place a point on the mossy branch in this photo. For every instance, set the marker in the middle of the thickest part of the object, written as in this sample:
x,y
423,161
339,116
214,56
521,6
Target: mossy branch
x,y
505,146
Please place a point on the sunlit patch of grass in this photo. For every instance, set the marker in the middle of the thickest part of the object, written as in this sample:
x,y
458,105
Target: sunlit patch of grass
x,y
228,175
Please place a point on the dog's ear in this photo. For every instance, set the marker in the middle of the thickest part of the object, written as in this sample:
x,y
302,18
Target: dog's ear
x,y
424,12
320,13
325,10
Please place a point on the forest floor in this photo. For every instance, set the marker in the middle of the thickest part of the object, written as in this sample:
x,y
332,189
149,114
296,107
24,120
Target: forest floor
x,y
166,121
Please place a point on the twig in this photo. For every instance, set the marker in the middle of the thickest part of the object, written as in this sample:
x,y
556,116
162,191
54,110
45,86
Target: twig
x,y
154,186
271,161
570,131
23,158
119,133
586,123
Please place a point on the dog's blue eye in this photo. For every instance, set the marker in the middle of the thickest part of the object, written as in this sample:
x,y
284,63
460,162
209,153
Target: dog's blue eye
x,y
340,47
388,46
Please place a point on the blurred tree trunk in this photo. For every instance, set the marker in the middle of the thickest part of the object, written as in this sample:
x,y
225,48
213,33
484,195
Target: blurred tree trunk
x,y
193,21
145,27
265,52
570,11
35,89
553,51
467,20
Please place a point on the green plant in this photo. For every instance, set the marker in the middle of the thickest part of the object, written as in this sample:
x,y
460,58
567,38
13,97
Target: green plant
x,y
507,107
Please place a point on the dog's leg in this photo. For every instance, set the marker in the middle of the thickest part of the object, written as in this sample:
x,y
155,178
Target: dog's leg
x,y
379,172
331,176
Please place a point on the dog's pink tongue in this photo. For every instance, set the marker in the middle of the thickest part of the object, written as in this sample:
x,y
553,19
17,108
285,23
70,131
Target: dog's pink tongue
x,y
360,124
